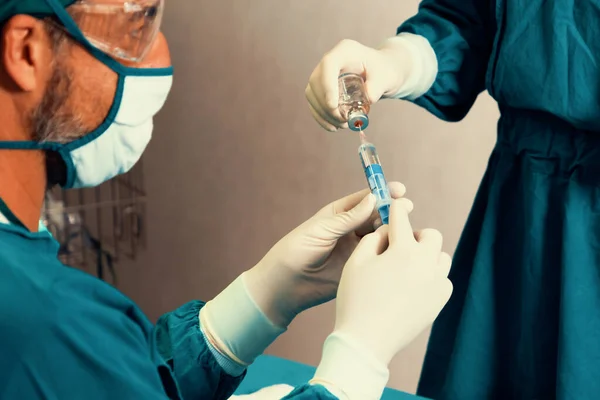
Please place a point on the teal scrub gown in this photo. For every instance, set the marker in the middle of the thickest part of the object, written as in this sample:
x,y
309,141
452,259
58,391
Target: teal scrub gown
x,y
524,319
65,335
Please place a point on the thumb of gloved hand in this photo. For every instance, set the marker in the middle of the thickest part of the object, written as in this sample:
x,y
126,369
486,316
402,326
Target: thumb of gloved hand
x,y
338,225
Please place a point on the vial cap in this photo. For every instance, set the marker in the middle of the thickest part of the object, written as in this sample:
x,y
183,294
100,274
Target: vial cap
x,y
358,122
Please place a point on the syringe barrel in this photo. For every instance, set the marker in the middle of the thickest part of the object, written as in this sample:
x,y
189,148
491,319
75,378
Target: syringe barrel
x,y
376,179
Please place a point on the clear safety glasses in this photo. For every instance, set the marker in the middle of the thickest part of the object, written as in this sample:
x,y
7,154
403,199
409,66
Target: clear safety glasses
x,y
124,30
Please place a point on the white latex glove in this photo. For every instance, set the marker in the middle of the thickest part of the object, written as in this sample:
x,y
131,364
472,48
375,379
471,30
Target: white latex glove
x,y
275,392
393,287
304,268
301,271
404,66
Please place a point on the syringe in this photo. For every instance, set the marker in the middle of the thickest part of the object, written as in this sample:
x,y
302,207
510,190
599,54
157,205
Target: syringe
x,y
375,177
354,106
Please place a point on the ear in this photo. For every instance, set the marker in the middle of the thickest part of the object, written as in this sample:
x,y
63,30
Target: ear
x,y
26,52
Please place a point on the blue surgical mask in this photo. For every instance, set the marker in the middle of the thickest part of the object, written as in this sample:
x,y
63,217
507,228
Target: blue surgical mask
x,y
118,143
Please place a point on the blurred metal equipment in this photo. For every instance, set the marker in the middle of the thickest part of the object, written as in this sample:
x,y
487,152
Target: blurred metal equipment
x,y
98,227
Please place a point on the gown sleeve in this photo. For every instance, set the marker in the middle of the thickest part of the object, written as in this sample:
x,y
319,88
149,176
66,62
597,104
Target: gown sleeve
x,y
461,33
183,346
101,349
200,377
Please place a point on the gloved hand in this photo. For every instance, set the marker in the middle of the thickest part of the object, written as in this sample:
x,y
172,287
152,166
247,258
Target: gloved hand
x,y
404,66
301,271
304,268
392,288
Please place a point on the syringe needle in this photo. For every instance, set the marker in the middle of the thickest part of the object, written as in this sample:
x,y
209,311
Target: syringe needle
x,y
362,136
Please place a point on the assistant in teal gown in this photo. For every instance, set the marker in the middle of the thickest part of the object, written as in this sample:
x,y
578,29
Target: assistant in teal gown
x,y
66,335
524,319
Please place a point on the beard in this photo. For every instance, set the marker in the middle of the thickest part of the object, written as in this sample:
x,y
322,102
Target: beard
x,y
53,121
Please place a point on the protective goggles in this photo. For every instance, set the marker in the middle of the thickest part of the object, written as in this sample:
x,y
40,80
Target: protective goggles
x,y
124,30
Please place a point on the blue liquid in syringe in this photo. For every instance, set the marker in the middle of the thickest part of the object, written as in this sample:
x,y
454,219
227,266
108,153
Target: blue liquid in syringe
x,y
375,178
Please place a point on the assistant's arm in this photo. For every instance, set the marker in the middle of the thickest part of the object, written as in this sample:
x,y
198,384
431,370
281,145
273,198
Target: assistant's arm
x,y
461,34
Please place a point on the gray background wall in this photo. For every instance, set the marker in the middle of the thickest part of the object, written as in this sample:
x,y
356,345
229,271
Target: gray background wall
x,y
237,160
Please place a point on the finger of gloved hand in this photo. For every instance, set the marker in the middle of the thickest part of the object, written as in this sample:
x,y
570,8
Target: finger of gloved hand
x,y
370,225
375,221
445,263
373,244
324,124
313,89
318,114
407,204
430,238
321,92
317,93
318,107
396,189
401,232
324,82
344,204
345,222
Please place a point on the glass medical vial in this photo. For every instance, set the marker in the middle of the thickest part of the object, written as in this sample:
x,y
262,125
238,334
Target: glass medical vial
x,y
354,104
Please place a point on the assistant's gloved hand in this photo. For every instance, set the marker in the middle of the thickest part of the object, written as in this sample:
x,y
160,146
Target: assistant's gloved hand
x,y
393,287
301,271
404,66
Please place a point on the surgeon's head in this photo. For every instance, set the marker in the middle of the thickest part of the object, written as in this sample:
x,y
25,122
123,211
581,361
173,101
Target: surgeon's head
x,y
64,76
